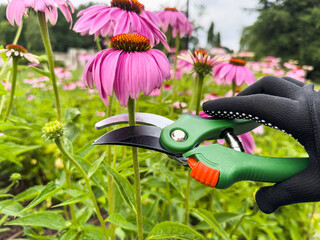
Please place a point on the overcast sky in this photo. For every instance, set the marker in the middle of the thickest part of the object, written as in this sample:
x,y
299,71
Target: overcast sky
x,y
229,16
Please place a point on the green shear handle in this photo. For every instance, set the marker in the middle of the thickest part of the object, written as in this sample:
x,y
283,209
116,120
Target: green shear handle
x,y
230,166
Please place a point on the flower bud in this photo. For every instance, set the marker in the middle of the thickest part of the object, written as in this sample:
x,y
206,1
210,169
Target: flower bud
x,y
15,177
53,130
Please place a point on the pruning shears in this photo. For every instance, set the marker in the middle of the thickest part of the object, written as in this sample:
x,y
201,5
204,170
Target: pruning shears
x,y
213,165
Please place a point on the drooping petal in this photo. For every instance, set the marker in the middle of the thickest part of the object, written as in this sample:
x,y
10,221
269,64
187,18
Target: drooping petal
x,y
120,84
15,11
230,76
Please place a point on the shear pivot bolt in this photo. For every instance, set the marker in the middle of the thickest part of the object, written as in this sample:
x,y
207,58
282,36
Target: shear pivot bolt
x,y
178,135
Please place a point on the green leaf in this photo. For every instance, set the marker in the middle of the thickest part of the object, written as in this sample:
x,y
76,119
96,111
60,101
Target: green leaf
x,y
92,233
119,220
50,189
173,179
41,71
4,229
226,216
210,219
96,165
6,154
10,126
50,220
28,194
69,235
174,230
10,207
74,200
72,114
124,186
3,55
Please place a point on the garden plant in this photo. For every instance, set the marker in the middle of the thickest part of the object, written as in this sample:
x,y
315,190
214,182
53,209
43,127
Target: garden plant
x,y
58,182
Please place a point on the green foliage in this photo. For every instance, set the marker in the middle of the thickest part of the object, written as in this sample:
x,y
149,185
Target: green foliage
x,y
288,29
175,231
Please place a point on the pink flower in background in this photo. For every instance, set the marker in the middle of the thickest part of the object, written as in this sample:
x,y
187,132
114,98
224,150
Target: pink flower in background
x,y
179,105
157,91
247,142
100,114
152,17
62,73
202,63
235,70
177,20
203,114
128,68
70,86
244,54
84,57
6,84
17,8
30,98
218,51
185,92
124,16
211,96
298,74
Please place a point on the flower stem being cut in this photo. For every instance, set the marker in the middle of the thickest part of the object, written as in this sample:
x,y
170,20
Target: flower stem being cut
x,y
15,62
47,45
132,122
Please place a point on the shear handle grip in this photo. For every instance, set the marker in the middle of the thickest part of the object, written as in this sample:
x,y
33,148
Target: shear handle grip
x,y
220,167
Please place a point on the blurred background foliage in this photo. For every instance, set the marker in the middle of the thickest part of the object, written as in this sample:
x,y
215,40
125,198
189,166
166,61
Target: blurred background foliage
x,y
289,29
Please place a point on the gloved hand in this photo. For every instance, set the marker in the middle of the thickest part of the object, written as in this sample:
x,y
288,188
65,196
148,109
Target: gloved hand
x,y
292,107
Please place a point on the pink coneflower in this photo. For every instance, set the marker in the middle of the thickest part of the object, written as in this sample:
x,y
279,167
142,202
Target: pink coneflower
x,y
17,8
179,105
234,71
13,50
30,98
123,16
177,20
157,91
202,63
129,67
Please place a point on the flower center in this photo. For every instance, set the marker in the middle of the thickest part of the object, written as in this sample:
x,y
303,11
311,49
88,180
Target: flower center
x,y
130,43
200,51
17,48
171,9
128,5
237,62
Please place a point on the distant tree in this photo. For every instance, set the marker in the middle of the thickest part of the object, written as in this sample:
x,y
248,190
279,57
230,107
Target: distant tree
x,y
289,29
218,40
211,41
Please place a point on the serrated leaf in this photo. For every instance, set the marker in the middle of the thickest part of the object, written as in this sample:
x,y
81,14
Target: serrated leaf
x,y
124,186
210,219
173,179
74,200
96,165
10,207
174,230
50,189
119,220
43,219
28,194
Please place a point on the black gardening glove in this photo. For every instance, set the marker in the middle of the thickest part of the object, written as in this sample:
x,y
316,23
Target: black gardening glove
x,y
292,107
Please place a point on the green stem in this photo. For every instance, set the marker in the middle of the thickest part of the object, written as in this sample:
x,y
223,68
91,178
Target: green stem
x,y
199,92
111,198
98,44
59,144
18,33
313,212
15,41
254,212
176,56
234,86
132,122
15,61
69,185
199,86
47,45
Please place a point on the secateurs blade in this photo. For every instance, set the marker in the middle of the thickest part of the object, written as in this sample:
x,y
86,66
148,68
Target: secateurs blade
x,y
213,165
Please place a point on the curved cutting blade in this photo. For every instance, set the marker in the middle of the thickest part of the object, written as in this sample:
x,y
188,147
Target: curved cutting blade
x,y
138,136
141,118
